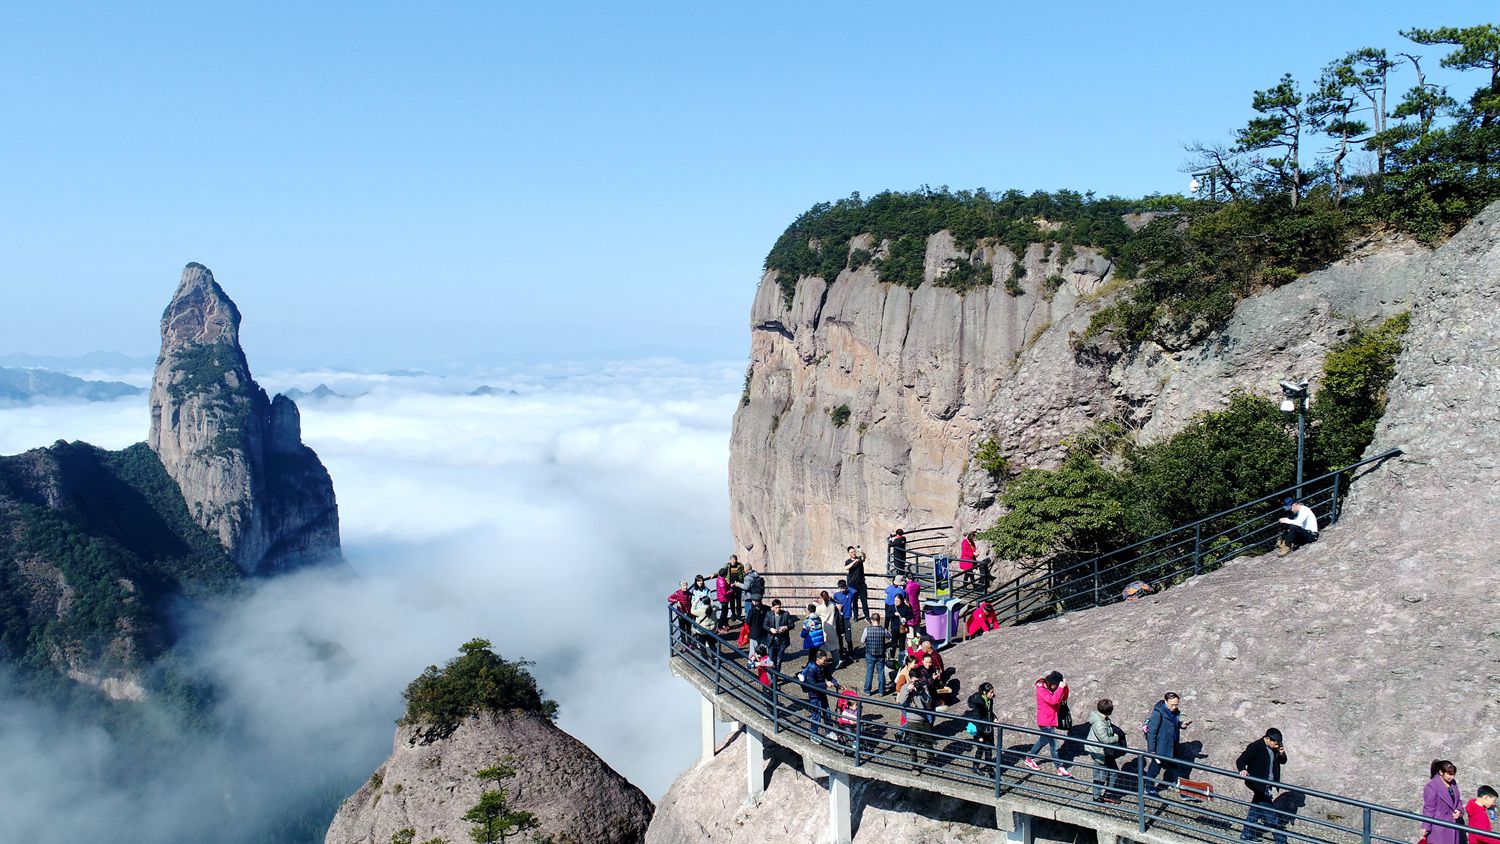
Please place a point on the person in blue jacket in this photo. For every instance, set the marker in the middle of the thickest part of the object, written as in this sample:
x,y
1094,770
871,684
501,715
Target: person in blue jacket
x,y
1163,732
844,597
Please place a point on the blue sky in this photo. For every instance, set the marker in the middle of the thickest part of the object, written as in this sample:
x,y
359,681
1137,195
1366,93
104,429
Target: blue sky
x,y
386,184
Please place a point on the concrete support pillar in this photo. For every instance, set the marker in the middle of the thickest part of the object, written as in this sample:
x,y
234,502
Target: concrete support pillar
x,y
840,810
710,740
755,765
1016,828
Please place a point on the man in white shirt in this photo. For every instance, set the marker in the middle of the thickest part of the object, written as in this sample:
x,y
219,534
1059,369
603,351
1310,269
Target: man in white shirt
x,y
1301,526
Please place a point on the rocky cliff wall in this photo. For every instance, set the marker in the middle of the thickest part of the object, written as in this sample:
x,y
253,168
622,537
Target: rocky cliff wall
x,y
1374,650
236,454
929,374
428,786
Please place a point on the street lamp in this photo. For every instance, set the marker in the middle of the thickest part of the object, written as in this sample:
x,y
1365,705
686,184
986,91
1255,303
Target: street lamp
x,y
1294,400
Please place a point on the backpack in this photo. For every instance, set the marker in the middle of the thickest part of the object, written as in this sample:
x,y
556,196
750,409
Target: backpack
x,y
1064,717
813,629
1118,750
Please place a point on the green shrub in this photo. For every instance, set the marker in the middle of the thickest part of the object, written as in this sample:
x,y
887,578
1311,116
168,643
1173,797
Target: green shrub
x,y
1351,397
476,681
840,415
989,458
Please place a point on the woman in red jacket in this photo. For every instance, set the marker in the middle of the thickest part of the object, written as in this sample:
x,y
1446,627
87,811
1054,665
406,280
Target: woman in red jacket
x,y
1051,692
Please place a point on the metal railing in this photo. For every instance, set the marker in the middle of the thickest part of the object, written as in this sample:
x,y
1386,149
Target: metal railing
x,y
1168,557
986,760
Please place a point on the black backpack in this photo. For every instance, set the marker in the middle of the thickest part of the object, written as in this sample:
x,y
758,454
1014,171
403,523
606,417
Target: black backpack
x,y
1118,749
1064,717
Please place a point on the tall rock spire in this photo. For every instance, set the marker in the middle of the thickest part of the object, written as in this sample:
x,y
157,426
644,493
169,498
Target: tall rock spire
x,y
237,456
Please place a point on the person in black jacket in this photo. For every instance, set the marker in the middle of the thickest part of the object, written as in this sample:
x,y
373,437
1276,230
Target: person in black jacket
x,y
982,707
1262,760
777,628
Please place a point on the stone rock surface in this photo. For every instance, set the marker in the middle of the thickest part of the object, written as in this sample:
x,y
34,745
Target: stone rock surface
x,y
707,803
428,787
929,374
1376,649
237,455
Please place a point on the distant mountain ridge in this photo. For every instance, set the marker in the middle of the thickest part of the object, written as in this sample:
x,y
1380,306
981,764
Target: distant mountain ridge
x,y
97,546
26,385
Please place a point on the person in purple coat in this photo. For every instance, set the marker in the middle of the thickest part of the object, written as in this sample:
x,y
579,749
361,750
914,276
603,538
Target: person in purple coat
x,y
1441,801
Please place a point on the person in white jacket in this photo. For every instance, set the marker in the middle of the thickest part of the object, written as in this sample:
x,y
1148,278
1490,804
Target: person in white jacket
x,y
1301,526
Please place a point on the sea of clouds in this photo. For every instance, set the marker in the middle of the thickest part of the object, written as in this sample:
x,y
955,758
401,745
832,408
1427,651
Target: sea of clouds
x,y
551,517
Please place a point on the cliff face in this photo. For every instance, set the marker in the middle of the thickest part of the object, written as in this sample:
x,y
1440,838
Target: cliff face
x,y
1373,650
237,456
929,374
427,787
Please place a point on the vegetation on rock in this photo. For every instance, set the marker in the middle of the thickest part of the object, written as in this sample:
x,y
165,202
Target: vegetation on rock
x,y
476,681
1109,493
492,817
1280,198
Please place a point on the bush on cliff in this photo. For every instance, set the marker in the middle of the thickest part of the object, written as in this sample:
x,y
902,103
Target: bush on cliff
x,y
477,680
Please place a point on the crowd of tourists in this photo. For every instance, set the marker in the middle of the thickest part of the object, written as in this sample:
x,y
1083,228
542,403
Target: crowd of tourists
x,y
900,659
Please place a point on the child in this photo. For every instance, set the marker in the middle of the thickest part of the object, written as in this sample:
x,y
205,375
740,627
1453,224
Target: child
x,y
761,663
1478,811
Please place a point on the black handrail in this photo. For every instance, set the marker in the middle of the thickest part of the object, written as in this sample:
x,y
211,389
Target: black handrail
x,y
872,744
1049,583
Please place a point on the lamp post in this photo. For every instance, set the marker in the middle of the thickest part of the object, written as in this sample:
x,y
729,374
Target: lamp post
x,y
1294,400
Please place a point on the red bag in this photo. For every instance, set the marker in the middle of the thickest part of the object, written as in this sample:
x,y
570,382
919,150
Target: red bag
x,y
744,635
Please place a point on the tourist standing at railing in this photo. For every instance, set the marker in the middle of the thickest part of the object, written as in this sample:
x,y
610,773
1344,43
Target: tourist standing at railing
x,y
982,709
778,632
1051,692
1301,526
1106,759
896,542
699,589
1263,759
683,603
844,597
1163,733
1441,801
1478,811
854,573
874,640
703,613
735,571
896,587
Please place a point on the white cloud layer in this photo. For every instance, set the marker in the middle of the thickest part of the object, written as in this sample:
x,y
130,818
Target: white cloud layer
x,y
552,521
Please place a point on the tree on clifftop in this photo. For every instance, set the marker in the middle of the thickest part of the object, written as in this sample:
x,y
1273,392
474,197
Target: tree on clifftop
x,y
478,680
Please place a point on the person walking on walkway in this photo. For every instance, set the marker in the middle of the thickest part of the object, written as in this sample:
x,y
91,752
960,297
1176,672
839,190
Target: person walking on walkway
x,y
735,572
777,628
1106,759
844,597
1301,526
817,674
1262,760
982,709
755,622
1478,811
1441,801
854,573
1051,693
874,640
830,617
1163,733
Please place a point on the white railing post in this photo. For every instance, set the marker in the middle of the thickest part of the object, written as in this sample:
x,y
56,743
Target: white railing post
x,y
710,740
755,765
840,812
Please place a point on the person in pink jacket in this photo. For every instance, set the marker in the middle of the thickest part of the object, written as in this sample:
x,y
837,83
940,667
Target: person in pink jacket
x,y
982,620
913,590
722,591
1051,693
